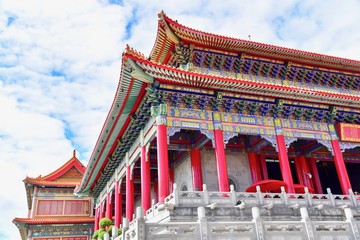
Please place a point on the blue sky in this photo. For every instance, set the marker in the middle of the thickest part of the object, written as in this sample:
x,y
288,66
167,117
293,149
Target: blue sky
x,y
60,64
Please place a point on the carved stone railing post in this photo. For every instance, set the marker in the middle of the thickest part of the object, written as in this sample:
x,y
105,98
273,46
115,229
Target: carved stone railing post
x,y
350,219
153,207
140,224
206,195
258,223
106,236
176,195
114,232
203,226
306,220
233,195
259,196
284,196
308,197
353,198
331,196
125,228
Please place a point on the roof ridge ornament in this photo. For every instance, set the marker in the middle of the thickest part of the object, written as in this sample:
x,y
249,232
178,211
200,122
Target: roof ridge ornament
x,y
161,14
169,33
133,52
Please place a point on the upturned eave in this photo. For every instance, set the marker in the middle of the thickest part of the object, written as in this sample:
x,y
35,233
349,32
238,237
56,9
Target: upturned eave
x,y
128,94
168,28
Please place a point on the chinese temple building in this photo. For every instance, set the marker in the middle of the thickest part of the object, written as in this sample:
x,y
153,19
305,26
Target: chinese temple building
x,y
55,213
212,137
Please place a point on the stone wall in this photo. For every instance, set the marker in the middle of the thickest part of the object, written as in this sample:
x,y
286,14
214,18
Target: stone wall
x,y
182,174
238,171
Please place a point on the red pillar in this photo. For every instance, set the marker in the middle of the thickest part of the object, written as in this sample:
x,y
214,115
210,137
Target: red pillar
x,y
129,194
340,167
196,169
315,175
145,181
264,171
305,171
284,163
163,162
118,204
108,206
96,221
254,167
102,210
171,178
221,161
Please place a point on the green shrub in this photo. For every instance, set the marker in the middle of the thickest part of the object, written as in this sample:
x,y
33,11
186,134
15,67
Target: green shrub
x,y
105,222
102,234
99,232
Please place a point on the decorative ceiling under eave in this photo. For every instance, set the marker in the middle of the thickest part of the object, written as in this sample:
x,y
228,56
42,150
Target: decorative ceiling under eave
x,y
165,73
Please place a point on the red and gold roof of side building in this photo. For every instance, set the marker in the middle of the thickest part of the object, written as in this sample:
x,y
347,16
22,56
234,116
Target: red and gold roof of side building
x,y
24,223
54,220
68,175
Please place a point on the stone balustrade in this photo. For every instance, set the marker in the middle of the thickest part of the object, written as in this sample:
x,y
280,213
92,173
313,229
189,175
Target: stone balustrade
x,y
241,215
230,199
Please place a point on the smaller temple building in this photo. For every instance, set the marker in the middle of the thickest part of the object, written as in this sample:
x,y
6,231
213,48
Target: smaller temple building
x,y
55,213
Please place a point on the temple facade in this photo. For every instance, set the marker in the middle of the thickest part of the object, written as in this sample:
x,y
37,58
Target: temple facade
x,y
55,213
212,137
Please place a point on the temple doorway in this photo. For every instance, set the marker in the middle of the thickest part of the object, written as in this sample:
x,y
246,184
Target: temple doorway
x,y
274,170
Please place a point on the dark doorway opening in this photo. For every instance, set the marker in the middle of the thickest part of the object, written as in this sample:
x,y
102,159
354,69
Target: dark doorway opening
x,y
274,170
328,177
353,170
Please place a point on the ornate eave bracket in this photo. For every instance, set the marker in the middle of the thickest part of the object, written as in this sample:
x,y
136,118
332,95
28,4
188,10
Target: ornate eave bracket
x,y
328,145
272,140
289,141
227,136
347,145
171,132
210,135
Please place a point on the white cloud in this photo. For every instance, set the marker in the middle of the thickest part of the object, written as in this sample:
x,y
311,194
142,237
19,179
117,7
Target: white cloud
x,y
60,64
